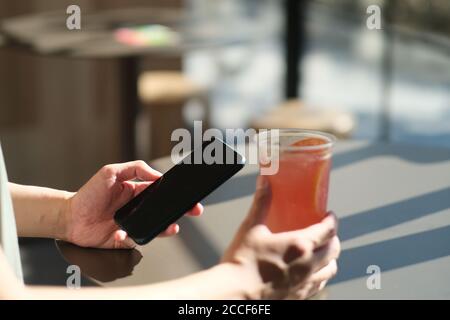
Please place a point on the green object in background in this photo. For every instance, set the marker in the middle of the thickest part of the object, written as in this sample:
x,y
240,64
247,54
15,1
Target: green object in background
x,y
148,35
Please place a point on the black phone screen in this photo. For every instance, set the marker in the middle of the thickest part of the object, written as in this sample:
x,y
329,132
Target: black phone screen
x,y
178,190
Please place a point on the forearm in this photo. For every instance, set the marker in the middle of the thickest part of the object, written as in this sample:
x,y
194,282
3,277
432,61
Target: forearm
x,y
39,212
224,281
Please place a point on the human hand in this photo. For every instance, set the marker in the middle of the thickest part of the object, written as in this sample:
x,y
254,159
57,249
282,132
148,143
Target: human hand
x,y
287,265
90,211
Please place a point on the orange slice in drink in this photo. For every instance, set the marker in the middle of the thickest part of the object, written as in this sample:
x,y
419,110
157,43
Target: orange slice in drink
x,y
321,168
321,186
312,142
307,142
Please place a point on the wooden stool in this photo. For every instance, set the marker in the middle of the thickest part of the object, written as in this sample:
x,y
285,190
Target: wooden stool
x,y
163,96
294,114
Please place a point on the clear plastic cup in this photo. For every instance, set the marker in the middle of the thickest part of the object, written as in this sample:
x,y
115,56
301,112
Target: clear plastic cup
x,y
299,179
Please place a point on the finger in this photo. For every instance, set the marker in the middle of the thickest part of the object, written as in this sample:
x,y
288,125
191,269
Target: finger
x,y
261,203
326,254
122,241
196,211
125,194
318,234
326,273
308,262
137,186
171,230
313,291
322,285
309,290
303,292
140,186
132,170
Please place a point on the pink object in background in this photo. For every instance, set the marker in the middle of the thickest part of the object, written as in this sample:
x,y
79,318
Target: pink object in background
x,y
149,35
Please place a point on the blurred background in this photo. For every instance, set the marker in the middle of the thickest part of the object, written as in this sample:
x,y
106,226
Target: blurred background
x,y
73,100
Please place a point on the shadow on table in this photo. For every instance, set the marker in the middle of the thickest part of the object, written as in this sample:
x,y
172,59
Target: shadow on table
x,y
398,252
393,214
101,264
238,187
198,244
395,253
43,265
404,152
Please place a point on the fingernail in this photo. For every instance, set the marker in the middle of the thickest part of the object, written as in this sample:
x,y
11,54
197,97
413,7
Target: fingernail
x,y
121,235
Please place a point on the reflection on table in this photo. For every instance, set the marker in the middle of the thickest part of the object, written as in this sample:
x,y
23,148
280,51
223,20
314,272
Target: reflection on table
x,y
100,264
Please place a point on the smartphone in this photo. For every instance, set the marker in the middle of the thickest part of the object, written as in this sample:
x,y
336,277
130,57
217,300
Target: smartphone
x,y
177,191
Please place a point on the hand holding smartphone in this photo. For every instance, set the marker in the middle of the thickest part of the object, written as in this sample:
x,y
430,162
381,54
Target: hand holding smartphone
x,y
178,190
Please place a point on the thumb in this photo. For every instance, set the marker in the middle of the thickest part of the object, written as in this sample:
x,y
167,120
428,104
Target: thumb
x,y
122,241
261,202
